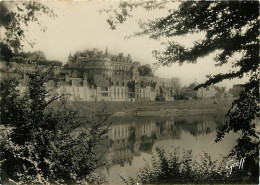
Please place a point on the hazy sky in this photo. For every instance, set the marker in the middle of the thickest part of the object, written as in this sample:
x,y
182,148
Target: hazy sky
x,y
79,26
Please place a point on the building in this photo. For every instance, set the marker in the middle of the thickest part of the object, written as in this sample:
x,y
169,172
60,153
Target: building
x,y
103,88
96,62
202,93
206,93
93,75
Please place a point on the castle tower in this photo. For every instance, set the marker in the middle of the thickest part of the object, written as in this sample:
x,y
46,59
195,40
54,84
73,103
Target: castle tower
x,y
70,60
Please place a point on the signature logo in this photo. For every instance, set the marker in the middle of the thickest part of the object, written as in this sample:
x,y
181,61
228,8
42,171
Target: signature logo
x,y
232,164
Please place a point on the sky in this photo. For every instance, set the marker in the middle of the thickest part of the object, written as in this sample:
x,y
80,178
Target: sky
x,y
79,26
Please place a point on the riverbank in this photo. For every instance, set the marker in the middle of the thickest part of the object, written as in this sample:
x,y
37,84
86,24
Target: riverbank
x,y
177,107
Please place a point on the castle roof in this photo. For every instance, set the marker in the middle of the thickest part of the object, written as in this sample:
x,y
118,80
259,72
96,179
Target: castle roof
x,y
101,81
120,78
63,83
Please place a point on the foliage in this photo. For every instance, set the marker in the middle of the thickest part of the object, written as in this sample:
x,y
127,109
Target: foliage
x,y
39,55
48,141
5,52
182,167
14,16
230,30
145,70
180,97
243,119
236,90
125,9
131,86
160,96
26,57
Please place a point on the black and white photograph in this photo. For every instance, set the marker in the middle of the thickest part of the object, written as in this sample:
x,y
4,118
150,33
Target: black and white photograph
x,y
110,92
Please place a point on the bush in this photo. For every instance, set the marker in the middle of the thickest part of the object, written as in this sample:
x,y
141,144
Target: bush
x,y
47,145
159,98
182,167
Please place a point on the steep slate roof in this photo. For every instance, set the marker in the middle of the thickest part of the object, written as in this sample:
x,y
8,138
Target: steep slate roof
x,y
116,78
63,83
78,81
120,78
76,74
101,81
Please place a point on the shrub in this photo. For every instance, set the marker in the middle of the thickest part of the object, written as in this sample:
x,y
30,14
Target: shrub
x,y
182,167
46,144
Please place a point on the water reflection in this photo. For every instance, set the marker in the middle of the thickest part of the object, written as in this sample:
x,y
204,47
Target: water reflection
x,y
132,139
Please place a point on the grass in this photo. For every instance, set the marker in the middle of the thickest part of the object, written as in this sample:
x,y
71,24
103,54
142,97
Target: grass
x,y
217,105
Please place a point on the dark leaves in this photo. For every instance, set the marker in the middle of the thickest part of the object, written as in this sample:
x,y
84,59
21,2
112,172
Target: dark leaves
x,y
48,144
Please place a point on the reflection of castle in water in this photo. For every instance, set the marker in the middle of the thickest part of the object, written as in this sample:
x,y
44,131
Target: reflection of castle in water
x,y
128,138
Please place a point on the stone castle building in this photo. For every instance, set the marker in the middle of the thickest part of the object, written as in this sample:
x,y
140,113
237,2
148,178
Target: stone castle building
x,y
111,74
93,75
96,62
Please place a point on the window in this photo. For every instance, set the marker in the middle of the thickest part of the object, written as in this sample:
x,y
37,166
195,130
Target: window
x,y
105,94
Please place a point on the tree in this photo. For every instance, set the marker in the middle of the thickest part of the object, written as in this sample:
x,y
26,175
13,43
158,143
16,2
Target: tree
x,y
230,30
48,141
145,70
13,17
5,52
26,57
160,96
131,86
236,90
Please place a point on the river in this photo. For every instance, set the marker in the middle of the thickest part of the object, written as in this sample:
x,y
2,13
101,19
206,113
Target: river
x,y
131,140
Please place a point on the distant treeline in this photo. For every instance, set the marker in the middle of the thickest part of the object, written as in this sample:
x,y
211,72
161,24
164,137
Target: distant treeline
x,y
22,60
8,55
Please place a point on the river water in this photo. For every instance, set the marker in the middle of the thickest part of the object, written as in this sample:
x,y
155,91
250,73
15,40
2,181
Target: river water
x,y
131,140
